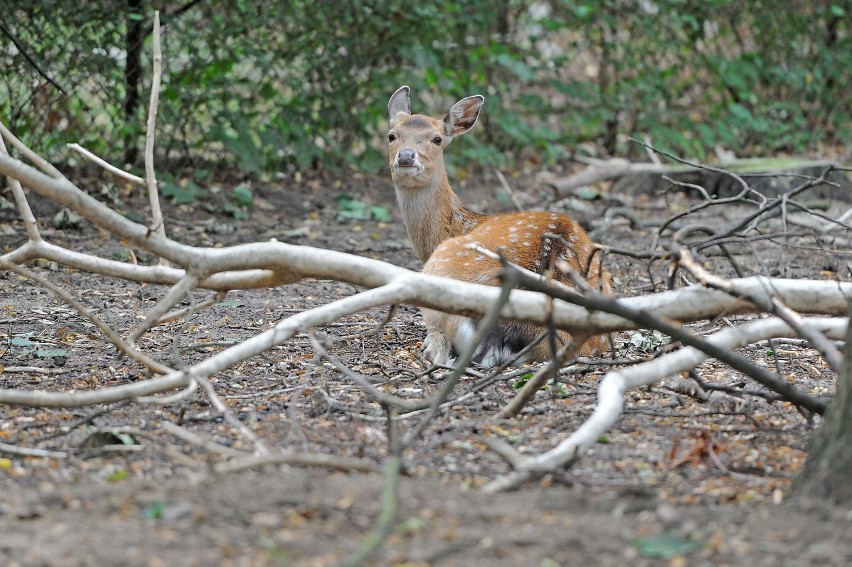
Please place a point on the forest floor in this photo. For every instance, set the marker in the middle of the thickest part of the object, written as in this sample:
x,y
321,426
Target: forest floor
x,y
690,475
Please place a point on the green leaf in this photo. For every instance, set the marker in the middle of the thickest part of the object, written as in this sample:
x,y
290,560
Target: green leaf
x,y
185,195
522,379
243,196
117,476
380,213
665,546
236,211
51,352
22,341
352,209
155,511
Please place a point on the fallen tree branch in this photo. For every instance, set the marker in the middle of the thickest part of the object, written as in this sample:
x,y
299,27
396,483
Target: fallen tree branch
x,y
600,170
769,304
617,382
652,320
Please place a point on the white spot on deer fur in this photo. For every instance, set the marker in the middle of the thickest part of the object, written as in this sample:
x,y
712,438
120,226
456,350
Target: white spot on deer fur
x,y
496,356
526,243
464,334
552,226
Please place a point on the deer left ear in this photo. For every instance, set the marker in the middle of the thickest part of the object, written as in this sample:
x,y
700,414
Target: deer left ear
x,y
399,104
463,115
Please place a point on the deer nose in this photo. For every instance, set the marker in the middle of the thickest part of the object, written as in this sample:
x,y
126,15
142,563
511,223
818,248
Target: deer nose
x,y
406,158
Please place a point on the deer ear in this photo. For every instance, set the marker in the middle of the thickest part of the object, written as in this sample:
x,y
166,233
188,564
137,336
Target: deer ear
x,y
463,115
399,104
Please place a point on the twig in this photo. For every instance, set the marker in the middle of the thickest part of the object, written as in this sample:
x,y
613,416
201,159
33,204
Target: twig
x,y
66,429
390,503
259,446
200,441
371,390
34,370
178,291
28,452
150,175
768,302
509,281
304,459
506,451
23,51
376,329
116,340
617,382
598,301
534,384
173,398
39,161
106,165
27,216
257,344
509,190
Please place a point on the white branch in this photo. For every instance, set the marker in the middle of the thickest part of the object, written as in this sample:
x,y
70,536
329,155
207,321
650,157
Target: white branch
x,y
274,263
227,358
105,164
617,382
27,216
150,175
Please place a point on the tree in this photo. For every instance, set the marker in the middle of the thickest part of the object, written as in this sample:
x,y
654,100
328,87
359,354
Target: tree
x,y
826,471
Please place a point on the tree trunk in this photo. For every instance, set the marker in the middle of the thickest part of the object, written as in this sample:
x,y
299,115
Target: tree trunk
x,y
827,473
132,77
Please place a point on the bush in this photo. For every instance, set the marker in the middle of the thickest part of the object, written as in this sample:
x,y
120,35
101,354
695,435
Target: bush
x,y
253,87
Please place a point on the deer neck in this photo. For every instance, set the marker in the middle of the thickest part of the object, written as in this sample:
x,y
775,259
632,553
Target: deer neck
x,y
433,214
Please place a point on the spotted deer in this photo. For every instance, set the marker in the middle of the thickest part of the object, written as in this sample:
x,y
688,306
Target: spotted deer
x,y
444,232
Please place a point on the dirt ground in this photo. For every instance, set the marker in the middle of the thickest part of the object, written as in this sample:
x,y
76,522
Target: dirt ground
x,y
689,476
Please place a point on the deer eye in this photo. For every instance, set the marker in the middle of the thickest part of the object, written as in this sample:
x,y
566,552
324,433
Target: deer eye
x,y
391,137
437,140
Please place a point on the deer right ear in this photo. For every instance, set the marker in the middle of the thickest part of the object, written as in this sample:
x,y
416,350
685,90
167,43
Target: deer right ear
x,y
463,115
398,104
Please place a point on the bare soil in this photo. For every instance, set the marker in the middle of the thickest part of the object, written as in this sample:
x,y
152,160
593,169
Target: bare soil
x,y
688,477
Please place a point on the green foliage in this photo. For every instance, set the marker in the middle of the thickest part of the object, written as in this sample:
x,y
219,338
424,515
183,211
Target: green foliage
x,y
52,352
186,192
355,209
241,203
155,511
666,546
258,88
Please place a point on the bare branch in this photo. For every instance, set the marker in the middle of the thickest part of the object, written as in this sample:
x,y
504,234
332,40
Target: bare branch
x,y
150,135
106,165
617,382
770,304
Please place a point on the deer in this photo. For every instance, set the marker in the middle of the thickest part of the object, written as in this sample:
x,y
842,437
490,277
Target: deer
x,y
446,234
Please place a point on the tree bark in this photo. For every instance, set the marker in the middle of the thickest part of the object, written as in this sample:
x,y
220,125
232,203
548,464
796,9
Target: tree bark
x,y
827,473
132,77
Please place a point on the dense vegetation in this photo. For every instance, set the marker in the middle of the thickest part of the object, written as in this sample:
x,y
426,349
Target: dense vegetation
x,y
263,86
